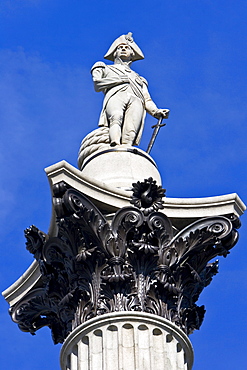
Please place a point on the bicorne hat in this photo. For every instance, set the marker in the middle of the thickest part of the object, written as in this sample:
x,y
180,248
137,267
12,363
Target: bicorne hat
x,y
124,39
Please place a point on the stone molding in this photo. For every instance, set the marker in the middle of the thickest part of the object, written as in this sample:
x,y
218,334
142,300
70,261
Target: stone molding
x,y
114,198
23,285
127,341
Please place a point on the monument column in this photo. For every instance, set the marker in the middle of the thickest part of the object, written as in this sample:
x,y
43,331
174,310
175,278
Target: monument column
x,y
119,273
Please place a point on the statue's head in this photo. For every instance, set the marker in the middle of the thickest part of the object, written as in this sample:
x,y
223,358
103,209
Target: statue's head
x,y
125,48
124,52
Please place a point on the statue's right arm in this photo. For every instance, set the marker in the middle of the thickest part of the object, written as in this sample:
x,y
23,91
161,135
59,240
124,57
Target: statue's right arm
x,y
104,79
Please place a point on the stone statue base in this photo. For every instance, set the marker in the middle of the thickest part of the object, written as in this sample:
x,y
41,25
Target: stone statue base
x,y
127,341
120,166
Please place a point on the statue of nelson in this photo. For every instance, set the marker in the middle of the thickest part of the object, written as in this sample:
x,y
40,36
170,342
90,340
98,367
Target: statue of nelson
x,y
126,93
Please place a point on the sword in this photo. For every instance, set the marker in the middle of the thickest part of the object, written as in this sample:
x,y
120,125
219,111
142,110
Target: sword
x,y
155,133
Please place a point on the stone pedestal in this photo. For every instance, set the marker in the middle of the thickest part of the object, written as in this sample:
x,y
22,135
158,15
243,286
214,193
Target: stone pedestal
x,y
127,341
120,167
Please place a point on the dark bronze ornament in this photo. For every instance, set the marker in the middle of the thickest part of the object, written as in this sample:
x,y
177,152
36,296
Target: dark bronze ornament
x,y
136,263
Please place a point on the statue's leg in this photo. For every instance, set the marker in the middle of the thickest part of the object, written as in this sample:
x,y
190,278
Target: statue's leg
x,y
132,121
115,132
115,114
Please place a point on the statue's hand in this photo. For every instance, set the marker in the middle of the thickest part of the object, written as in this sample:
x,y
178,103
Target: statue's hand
x,y
164,113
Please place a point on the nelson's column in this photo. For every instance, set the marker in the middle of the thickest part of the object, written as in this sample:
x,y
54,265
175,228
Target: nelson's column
x,y
117,276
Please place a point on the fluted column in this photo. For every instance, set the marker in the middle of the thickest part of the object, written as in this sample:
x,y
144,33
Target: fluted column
x,y
127,341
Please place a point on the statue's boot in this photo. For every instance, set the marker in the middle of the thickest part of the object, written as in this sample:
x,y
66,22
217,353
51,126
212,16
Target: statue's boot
x,y
115,134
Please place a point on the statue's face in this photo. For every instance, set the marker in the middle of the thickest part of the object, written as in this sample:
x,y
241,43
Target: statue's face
x,y
124,52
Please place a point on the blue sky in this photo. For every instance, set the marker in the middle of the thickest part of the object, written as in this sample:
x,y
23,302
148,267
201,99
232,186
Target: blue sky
x,y
195,62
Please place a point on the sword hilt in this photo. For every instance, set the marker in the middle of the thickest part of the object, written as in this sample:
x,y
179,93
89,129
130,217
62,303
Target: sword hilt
x,y
158,125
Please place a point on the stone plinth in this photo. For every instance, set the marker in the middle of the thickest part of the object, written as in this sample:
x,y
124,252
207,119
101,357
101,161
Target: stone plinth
x,y
127,341
120,167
